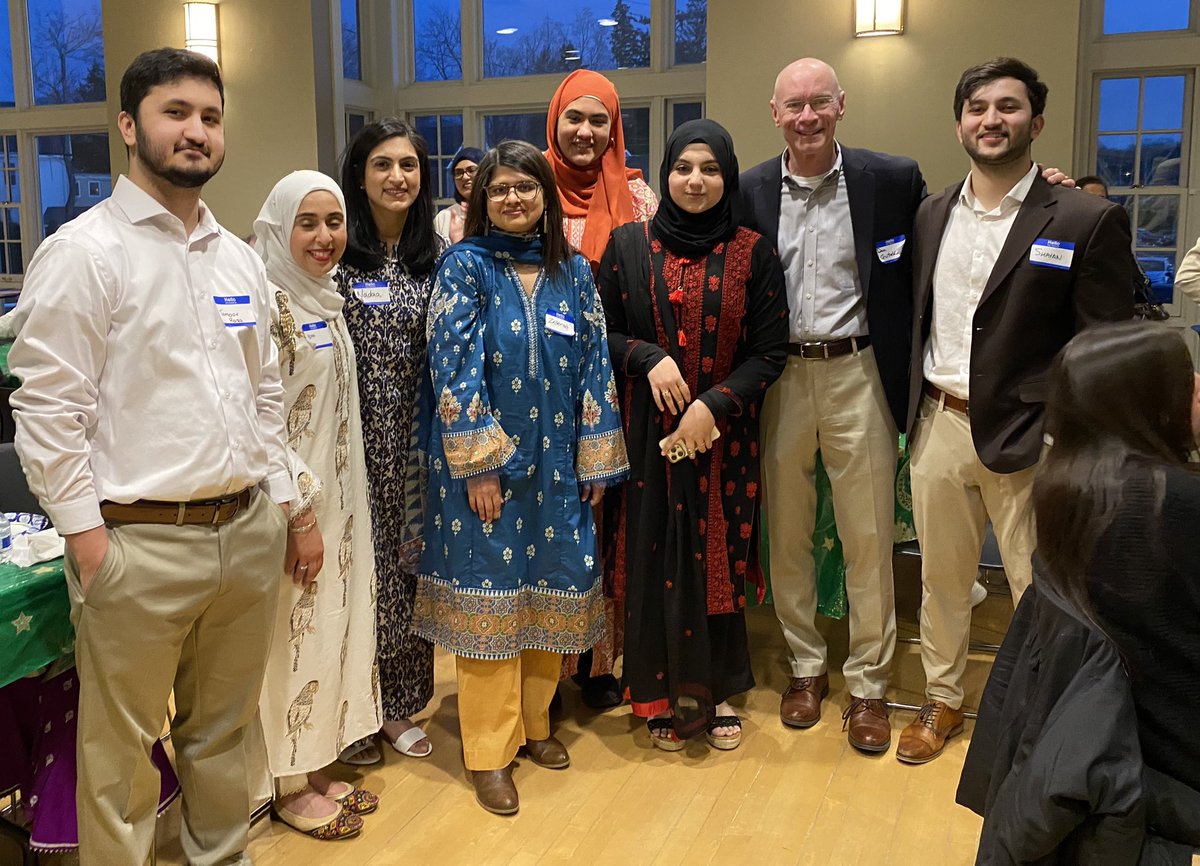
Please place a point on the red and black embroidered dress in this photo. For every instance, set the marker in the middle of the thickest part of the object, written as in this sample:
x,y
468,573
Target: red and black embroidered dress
x,y
682,538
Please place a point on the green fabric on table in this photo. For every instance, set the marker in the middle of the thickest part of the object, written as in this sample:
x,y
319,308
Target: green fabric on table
x,y
35,618
7,379
828,557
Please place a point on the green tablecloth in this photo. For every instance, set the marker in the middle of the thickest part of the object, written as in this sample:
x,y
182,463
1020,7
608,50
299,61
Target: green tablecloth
x,y
7,379
827,547
35,618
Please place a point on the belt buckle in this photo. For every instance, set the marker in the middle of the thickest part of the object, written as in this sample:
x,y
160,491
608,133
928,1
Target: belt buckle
x,y
823,345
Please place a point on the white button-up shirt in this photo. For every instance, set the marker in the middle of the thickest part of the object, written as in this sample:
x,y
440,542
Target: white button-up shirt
x,y
970,246
816,248
138,382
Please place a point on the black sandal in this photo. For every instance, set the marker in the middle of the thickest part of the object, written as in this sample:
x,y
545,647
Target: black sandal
x,y
729,742
669,743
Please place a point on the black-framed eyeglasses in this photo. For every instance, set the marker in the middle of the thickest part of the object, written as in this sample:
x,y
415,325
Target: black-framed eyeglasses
x,y
464,173
525,190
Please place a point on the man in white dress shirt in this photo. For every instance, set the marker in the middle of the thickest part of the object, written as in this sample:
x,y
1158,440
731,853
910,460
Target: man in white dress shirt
x,y
150,426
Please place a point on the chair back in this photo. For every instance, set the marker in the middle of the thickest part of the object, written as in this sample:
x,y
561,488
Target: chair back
x,y
14,489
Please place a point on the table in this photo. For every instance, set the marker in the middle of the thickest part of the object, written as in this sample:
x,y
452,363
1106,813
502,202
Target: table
x,y
35,618
7,379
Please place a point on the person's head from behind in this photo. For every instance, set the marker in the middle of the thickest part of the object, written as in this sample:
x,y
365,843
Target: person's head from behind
x,y
1118,393
998,111
515,193
1093,185
172,117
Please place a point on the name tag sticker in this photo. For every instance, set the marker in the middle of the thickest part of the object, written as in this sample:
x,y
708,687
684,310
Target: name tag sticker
x,y
235,310
373,293
560,323
317,334
1052,254
889,250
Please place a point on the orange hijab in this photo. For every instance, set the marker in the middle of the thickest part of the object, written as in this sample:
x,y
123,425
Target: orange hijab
x,y
599,192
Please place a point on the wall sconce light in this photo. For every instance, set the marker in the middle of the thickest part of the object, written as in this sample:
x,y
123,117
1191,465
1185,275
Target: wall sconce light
x,y
201,33
878,17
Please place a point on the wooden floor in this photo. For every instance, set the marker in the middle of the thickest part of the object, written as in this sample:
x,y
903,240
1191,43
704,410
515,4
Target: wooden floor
x,y
784,797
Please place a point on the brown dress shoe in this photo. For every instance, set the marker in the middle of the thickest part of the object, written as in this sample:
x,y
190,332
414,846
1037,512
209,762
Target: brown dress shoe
x,y
801,703
548,753
925,738
495,791
867,719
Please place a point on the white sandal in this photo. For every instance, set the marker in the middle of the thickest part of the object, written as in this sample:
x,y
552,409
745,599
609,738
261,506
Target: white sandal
x,y
353,754
404,743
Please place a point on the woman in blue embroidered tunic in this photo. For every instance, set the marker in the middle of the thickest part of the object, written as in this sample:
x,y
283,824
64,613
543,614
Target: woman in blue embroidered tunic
x,y
524,437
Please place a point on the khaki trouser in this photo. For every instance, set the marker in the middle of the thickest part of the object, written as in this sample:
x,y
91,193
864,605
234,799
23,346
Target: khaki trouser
x,y
954,495
188,608
502,703
837,405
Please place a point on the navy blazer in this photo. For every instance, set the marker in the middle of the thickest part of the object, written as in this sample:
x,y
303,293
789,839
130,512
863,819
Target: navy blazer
x,y
1027,312
885,192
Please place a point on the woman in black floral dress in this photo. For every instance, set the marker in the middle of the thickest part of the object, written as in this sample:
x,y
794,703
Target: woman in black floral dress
x,y
385,277
697,330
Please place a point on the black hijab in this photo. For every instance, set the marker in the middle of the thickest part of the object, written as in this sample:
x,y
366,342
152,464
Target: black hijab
x,y
694,235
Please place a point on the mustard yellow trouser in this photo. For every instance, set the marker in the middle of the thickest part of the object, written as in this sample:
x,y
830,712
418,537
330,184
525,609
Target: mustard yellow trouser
x,y
502,703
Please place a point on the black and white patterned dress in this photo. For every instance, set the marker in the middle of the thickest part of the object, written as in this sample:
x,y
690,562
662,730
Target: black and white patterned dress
x,y
385,313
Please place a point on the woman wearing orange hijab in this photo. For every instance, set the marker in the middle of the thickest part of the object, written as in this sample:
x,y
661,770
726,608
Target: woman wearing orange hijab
x,y
587,153
598,194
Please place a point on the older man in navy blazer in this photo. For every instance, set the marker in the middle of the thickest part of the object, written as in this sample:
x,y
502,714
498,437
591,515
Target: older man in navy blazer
x,y
842,219
1008,269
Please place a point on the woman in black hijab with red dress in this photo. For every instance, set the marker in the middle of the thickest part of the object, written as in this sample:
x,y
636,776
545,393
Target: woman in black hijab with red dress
x,y
697,330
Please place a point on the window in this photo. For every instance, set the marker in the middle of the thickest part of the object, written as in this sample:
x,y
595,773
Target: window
x,y
443,133
7,94
682,112
1139,152
356,119
691,31
532,38
437,45
66,51
351,42
1139,16
523,127
635,122
10,219
64,161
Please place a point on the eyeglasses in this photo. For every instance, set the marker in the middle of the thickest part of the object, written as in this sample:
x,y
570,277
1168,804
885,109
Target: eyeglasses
x,y
525,190
817,104
462,173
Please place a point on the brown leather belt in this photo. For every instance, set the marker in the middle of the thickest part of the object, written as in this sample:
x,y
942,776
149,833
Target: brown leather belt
x,y
213,512
821,350
958,404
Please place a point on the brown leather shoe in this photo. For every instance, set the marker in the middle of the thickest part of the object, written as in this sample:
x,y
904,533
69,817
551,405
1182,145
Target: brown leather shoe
x,y
548,753
801,703
925,738
867,719
495,791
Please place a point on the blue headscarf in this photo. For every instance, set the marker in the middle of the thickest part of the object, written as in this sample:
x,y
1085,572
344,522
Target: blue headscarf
x,y
465,154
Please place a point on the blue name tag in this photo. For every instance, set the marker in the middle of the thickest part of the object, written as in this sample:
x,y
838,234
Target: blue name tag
x,y
317,334
373,293
235,310
1046,253
560,323
889,251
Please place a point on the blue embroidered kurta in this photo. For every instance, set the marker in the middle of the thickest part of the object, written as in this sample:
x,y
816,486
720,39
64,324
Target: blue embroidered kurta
x,y
522,386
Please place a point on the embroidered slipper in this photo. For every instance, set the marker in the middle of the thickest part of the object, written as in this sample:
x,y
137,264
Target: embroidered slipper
x,y
728,742
354,800
668,743
404,743
340,826
360,753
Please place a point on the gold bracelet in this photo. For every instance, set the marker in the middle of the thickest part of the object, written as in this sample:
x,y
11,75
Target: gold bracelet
x,y
300,530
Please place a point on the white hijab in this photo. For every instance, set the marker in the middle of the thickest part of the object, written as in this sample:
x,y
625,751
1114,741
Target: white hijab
x,y
273,233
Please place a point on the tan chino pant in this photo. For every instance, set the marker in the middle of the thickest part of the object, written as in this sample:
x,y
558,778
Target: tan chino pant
x,y
188,608
502,703
954,495
838,406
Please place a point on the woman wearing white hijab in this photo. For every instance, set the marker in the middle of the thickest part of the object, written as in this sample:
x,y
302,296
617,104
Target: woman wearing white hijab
x,y
321,691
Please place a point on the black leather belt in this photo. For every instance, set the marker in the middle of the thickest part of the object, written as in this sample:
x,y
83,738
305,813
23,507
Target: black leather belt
x,y
821,350
209,511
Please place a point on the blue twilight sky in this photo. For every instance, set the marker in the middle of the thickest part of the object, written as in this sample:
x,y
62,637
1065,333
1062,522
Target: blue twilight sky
x,y
1136,16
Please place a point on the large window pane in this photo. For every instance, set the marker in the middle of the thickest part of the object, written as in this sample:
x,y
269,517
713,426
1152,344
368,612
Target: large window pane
x,y
524,127
1119,104
437,36
7,97
1140,16
351,41
1160,270
1158,221
636,124
682,112
1163,105
691,31
1115,158
529,37
443,134
73,175
10,220
66,49
1160,160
